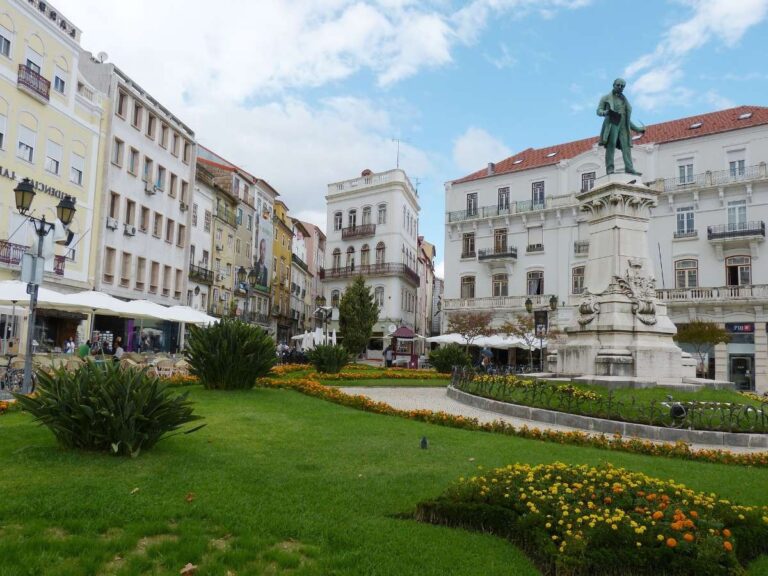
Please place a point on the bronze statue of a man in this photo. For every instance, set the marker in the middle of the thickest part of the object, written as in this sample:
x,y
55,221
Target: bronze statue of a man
x,y
617,127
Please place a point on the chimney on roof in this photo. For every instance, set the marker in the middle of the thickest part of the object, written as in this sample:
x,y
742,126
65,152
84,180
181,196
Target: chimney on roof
x,y
491,169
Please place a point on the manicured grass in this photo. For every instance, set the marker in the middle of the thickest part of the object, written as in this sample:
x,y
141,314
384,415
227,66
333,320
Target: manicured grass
x,y
277,483
383,382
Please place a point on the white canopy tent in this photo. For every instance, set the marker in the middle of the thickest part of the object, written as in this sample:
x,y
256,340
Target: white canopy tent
x,y
192,316
447,339
499,341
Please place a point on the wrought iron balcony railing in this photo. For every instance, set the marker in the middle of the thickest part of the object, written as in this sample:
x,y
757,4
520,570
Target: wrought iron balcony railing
x,y
533,248
200,274
686,234
713,178
499,253
494,302
581,247
361,231
33,83
11,255
227,216
738,230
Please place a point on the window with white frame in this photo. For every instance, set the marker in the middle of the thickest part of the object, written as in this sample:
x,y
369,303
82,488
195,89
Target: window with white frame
x,y
76,168
468,287
577,279
537,193
500,241
382,215
500,285
535,282
117,152
587,181
26,145
503,199
380,253
5,42
336,259
468,245
737,215
684,171
686,223
736,163
335,298
337,217
160,182
351,257
3,128
365,255
53,154
378,296
34,60
472,204
59,80
352,218
686,273
738,271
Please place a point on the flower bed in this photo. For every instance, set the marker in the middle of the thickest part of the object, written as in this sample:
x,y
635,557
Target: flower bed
x,y
616,442
622,405
581,520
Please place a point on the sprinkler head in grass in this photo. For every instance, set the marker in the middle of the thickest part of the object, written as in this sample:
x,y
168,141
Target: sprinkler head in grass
x,y
424,443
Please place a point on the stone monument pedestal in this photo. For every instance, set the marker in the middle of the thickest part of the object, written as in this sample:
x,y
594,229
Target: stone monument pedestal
x,y
621,335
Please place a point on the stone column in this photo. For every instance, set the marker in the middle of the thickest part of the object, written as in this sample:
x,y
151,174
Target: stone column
x,y
761,358
721,360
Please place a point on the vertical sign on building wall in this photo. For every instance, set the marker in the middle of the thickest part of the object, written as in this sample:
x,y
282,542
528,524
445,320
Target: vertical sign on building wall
x,y
264,247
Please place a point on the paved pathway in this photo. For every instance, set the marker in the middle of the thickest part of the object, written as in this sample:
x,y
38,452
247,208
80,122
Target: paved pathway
x,y
437,400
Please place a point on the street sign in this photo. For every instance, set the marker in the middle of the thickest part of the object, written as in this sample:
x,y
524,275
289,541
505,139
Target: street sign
x,y
32,269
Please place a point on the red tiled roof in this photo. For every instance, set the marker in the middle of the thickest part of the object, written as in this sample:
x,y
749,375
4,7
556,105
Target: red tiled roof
x,y
681,129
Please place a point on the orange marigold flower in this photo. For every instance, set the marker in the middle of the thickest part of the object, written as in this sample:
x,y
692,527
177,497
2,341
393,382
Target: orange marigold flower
x,y
671,542
693,514
607,500
726,533
658,515
688,537
728,546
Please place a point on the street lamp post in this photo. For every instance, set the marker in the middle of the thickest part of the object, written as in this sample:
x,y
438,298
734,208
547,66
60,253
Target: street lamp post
x,y
247,281
65,211
540,332
320,302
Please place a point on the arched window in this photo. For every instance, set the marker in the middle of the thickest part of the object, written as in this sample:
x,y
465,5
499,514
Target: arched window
x,y
500,285
351,257
468,287
535,283
686,273
337,220
365,255
352,218
336,259
335,298
366,215
382,217
378,296
380,253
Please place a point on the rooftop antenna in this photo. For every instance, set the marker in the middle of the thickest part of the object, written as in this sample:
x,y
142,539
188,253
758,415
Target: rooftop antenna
x,y
397,141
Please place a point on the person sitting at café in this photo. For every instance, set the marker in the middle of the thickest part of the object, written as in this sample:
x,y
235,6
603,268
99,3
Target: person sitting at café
x,y
118,353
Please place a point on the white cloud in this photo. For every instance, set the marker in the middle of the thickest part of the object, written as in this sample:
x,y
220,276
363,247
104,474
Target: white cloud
x,y
504,60
718,101
712,20
475,148
440,269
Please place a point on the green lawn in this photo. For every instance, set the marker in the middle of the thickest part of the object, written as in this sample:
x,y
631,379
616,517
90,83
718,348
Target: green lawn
x,y
277,483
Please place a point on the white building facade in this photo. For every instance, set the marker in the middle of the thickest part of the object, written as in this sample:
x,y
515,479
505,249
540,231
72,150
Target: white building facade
x,y
372,229
200,242
514,232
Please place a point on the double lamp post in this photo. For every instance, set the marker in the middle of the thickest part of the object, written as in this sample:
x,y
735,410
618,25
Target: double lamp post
x,y
247,281
541,328
65,211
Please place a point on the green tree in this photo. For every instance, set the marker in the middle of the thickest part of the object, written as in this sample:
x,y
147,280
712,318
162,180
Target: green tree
x,y
470,325
358,313
701,335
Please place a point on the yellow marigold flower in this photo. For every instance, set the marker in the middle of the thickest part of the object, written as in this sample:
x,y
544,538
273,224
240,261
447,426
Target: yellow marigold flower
x,y
660,537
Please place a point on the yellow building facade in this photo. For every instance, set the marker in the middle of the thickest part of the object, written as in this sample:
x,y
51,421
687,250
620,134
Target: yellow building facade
x,y
281,273
51,122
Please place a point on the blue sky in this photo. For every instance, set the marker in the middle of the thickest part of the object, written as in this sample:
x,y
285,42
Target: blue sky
x,y
307,92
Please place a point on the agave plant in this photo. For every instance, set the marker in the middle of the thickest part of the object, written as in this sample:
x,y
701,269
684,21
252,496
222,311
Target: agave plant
x,y
107,408
229,355
328,358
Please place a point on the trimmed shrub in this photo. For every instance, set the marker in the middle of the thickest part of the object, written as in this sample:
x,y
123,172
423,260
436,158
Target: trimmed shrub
x,y
329,359
229,355
107,408
446,357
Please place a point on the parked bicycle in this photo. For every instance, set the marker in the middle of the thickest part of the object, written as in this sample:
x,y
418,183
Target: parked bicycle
x,y
12,379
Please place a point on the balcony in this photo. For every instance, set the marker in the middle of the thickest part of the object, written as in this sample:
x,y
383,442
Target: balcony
x,y
200,274
742,230
227,216
470,254
362,231
33,84
11,255
534,248
581,247
494,303
680,234
383,269
257,318
499,253
712,178
684,296
371,180
505,209
299,262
